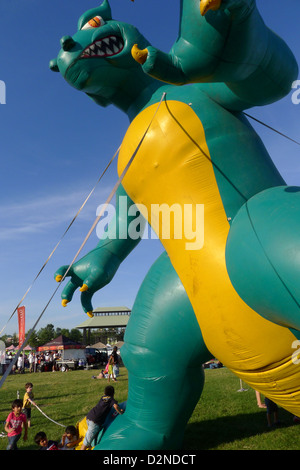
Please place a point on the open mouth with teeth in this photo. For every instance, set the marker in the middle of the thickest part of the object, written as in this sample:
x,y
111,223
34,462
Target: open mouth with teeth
x,y
105,47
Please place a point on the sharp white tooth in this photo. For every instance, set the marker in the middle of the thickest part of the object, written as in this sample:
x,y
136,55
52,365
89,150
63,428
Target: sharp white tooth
x,y
106,40
108,50
116,49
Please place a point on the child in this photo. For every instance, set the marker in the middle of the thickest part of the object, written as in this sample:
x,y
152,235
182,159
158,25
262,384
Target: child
x,y
14,423
101,375
69,439
41,440
27,401
110,368
96,417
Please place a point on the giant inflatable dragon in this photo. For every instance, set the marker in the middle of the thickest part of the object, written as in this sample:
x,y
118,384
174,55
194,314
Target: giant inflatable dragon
x,y
237,296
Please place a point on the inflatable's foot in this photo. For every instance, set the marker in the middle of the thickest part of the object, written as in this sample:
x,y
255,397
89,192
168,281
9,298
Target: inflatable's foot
x,y
127,435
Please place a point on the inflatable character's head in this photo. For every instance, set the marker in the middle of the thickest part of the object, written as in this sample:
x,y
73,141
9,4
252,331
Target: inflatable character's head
x,y
97,58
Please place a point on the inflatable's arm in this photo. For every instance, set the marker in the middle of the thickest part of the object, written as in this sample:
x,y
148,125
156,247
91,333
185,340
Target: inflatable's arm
x,y
225,41
98,267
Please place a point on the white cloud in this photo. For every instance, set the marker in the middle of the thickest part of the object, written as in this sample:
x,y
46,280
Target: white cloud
x,y
43,214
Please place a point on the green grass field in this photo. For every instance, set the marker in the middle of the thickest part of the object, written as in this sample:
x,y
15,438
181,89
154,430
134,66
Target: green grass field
x,y
224,419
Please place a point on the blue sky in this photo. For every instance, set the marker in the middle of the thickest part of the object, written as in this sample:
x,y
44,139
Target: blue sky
x,y
55,143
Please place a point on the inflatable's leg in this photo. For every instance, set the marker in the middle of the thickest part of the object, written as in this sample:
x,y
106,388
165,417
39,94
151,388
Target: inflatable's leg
x,y
163,352
263,255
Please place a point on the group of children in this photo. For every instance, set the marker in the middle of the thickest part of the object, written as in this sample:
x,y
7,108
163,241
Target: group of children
x,y
95,420
19,419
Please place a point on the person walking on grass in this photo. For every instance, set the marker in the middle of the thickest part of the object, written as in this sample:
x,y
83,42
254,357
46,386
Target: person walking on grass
x,y
113,365
28,401
14,424
110,368
116,363
272,410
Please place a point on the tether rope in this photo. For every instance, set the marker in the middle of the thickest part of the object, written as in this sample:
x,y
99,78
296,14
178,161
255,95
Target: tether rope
x,y
50,419
103,209
271,128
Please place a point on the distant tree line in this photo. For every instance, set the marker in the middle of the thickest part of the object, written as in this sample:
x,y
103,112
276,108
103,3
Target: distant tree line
x,y
49,332
44,335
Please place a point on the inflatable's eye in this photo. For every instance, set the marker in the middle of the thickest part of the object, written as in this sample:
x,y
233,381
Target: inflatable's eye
x,y
94,23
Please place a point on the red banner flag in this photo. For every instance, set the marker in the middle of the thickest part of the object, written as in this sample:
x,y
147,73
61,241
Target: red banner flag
x,y
21,319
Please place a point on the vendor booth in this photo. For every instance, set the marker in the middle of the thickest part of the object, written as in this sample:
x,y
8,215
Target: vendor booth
x,y
71,354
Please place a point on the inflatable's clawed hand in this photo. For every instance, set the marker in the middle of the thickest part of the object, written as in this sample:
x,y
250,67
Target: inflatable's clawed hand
x,y
89,274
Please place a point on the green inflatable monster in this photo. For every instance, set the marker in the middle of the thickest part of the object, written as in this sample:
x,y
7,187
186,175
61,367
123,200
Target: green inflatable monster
x,y
234,295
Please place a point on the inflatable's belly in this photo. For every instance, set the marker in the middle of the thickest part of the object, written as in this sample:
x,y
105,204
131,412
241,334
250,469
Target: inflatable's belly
x,y
173,171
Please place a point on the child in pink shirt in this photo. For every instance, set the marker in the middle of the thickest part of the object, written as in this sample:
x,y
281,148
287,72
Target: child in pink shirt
x,y
14,424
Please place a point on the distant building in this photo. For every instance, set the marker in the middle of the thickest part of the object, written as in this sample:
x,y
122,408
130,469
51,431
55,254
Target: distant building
x,y
105,317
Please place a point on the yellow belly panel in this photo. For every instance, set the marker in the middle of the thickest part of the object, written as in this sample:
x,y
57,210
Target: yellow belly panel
x,y
173,166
